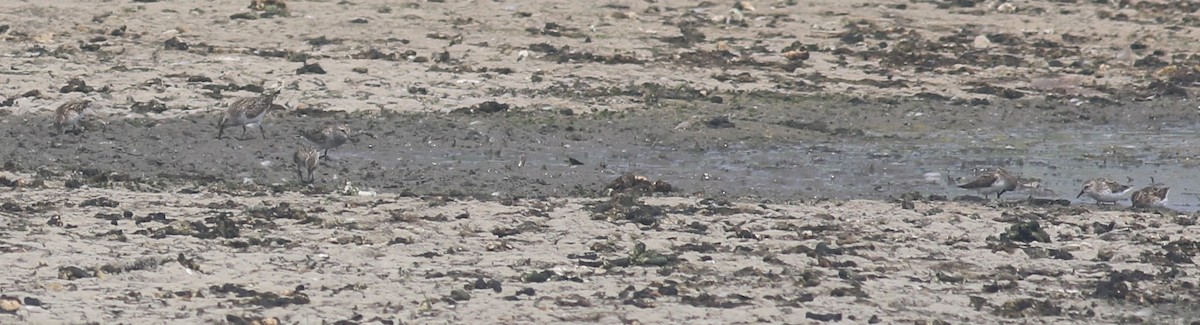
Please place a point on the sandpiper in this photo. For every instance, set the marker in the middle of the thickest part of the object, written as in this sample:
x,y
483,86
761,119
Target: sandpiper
x,y
1153,196
249,111
1105,190
69,114
994,180
327,138
306,158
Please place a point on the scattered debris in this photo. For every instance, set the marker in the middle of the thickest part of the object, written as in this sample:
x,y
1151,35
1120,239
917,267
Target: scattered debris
x,y
9,304
269,8
637,184
310,68
482,108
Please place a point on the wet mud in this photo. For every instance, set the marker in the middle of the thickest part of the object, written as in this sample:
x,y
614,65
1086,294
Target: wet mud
x,y
643,162
778,149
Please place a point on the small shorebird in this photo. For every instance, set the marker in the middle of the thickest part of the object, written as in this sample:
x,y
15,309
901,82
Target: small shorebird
x,y
1153,196
306,158
69,114
1104,190
328,138
995,180
249,111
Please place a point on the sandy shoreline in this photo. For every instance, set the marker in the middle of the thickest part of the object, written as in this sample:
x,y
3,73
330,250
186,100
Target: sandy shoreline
x,y
563,55
498,214
435,259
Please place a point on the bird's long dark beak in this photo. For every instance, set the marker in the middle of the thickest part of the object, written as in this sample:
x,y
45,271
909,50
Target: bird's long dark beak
x,y
1080,193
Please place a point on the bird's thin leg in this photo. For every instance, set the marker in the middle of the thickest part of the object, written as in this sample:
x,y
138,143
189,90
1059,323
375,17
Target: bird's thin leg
x,y
220,132
263,131
243,137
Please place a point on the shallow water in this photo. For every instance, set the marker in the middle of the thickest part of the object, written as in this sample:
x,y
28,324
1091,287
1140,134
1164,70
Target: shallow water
x,y
1053,164
514,157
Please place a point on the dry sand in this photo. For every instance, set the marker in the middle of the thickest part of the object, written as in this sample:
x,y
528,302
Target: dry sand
x,y
194,245
149,257
437,56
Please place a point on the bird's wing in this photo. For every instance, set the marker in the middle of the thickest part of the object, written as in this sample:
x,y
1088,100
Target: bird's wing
x,y
1150,192
1114,186
239,106
981,181
74,105
1161,191
315,135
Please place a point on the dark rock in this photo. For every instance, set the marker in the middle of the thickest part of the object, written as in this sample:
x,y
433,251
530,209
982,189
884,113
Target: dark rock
x,y
1026,232
100,202
834,317
151,106
76,85
720,122
310,68
630,183
484,107
174,43
1028,307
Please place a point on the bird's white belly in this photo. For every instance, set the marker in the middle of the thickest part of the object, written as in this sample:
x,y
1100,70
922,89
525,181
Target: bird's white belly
x,y
995,188
250,121
1107,197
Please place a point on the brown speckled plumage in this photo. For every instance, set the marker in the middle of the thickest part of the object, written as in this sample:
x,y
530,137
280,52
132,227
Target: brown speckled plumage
x,y
1150,197
996,180
1104,190
70,113
306,158
247,111
327,138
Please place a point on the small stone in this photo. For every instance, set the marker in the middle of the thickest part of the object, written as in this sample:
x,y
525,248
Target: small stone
x,y
982,42
1007,8
9,304
310,68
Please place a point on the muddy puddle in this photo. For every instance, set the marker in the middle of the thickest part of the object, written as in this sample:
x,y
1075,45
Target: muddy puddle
x,y
534,154
1052,164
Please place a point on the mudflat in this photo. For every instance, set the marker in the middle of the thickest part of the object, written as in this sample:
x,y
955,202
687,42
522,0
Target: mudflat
x,y
805,154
